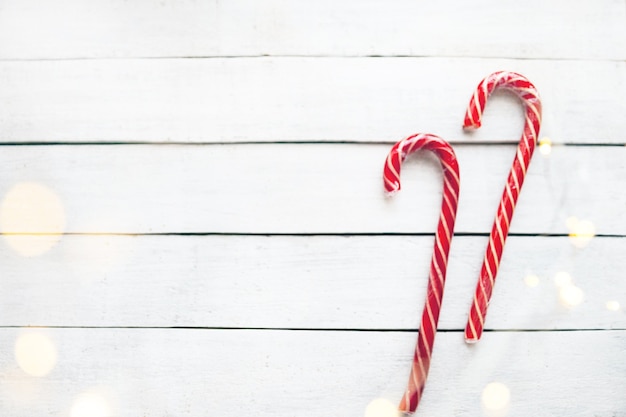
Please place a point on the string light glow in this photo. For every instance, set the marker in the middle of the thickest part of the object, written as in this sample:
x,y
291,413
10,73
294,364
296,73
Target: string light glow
x,y
91,404
612,305
32,218
545,146
495,398
580,231
571,295
35,354
562,279
531,280
381,407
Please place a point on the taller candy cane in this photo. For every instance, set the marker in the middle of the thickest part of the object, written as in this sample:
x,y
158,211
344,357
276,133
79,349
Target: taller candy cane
x,y
527,92
439,262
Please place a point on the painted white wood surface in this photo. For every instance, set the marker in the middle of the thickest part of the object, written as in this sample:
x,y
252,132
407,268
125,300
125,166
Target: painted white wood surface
x,y
138,372
338,282
557,29
310,188
300,99
158,236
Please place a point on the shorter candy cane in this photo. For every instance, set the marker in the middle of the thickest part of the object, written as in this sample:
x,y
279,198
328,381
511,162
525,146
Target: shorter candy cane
x,y
445,230
527,92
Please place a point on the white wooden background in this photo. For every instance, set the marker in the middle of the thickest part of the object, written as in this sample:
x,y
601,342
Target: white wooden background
x,y
194,220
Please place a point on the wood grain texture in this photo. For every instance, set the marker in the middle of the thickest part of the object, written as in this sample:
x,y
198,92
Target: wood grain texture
x,y
309,188
30,29
293,245
357,282
300,99
139,372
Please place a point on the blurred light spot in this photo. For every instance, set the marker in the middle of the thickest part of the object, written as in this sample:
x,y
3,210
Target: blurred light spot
x,y
496,396
531,280
571,222
580,231
31,208
35,353
571,295
612,305
562,279
545,146
91,404
381,407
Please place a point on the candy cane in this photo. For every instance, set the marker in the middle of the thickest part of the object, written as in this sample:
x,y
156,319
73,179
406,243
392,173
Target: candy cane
x,y
445,230
527,92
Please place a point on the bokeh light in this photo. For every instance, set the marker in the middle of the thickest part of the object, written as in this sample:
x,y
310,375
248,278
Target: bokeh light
x,y
32,218
495,398
562,279
381,407
545,146
35,354
580,231
612,305
571,222
531,280
571,295
91,404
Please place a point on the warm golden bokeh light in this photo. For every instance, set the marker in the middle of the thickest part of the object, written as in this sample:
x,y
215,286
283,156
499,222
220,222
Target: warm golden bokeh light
x,y
612,305
562,279
381,407
91,404
545,146
495,397
531,280
580,231
35,354
571,295
571,222
29,209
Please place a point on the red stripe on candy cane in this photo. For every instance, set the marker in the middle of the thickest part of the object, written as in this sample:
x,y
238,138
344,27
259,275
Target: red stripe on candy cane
x,y
438,266
526,91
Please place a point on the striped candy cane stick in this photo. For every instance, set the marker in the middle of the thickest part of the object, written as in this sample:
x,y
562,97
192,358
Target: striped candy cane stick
x,y
527,92
445,230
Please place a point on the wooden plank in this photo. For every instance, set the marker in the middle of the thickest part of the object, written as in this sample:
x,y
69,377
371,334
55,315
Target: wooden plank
x,y
299,99
361,282
484,28
307,188
139,372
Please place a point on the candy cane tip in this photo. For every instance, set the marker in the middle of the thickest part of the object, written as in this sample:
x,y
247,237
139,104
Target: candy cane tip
x,y
392,190
471,126
471,121
404,410
472,336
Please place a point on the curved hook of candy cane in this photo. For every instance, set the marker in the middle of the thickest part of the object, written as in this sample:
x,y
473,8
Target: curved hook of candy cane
x,y
439,262
526,91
